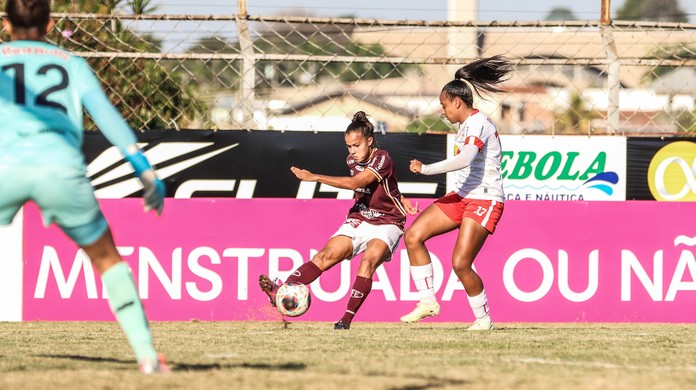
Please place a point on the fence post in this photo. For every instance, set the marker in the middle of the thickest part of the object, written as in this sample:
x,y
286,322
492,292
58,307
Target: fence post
x,y
461,41
613,75
248,76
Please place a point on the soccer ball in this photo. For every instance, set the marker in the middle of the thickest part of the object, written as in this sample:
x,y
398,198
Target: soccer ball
x,y
293,299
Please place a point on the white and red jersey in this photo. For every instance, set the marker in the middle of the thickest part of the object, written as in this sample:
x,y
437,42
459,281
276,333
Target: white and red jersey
x,y
482,179
379,202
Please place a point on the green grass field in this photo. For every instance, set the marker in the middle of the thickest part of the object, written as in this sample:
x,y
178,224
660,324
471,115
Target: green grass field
x,y
303,355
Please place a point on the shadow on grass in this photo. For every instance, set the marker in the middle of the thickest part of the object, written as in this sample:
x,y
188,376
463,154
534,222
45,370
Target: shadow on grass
x,y
88,358
432,383
174,366
217,366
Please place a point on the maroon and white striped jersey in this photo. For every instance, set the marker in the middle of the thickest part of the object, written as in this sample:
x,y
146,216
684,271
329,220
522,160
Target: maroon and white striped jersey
x,y
378,203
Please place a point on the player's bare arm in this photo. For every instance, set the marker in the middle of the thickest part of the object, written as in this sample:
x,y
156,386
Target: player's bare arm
x,y
345,182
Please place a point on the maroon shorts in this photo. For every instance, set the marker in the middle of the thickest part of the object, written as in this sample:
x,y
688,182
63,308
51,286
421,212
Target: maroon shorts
x,y
486,212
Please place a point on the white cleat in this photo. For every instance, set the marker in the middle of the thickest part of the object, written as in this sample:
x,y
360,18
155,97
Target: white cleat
x,y
482,324
421,311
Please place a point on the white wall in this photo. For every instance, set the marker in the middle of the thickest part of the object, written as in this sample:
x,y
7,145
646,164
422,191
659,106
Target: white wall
x,y
11,270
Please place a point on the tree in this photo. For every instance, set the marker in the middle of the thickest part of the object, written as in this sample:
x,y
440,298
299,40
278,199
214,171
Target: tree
x,y
429,123
144,92
692,129
577,118
211,74
322,40
560,14
630,10
680,51
652,10
140,7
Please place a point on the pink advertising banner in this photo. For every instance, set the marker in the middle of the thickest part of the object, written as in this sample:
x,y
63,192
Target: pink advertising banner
x,y
547,262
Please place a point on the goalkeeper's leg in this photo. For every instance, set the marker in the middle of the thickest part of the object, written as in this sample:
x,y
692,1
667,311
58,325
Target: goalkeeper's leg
x,y
124,301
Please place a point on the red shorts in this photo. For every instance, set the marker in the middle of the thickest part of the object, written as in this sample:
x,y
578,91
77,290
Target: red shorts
x,y
485,212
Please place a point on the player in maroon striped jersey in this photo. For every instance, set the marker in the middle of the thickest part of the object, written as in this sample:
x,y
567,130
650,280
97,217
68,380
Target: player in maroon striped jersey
x,y
476,205
374,224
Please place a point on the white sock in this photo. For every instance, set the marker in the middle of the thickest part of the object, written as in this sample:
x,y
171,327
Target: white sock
x,y
479,304
423,277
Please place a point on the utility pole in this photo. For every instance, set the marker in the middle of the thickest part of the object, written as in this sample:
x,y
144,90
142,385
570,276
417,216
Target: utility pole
x,y
613,73
461,41
248,79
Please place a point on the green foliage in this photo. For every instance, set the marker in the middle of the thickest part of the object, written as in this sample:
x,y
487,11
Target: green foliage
x,y
630,10
560,14
137,7
679,51
211,74
140,7
685,121
292,72
144,92
348,72
652,10
576,119
429,123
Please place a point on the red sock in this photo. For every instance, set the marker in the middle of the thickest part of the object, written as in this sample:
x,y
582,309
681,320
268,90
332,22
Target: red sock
x,y
361,288
305,274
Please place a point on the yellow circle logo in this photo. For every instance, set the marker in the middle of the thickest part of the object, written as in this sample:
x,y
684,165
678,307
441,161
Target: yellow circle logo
x,y
672,172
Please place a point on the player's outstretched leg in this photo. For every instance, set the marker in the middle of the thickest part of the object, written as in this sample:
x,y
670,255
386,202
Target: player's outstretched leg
x,y
305,274
270,287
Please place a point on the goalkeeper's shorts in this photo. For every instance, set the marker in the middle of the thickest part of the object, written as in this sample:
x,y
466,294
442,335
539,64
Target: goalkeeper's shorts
x,y
64,195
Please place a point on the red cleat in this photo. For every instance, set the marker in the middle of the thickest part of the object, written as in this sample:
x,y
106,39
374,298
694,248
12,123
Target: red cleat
x,y
149,366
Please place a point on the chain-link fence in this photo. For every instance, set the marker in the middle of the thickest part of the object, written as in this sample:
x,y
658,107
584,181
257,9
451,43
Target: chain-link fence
x,y
296,73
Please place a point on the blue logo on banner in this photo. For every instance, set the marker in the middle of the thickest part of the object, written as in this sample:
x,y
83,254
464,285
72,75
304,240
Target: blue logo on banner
x,y
604,182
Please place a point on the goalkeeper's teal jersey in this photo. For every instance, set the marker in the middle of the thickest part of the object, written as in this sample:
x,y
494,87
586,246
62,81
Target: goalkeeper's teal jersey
x,y
42,91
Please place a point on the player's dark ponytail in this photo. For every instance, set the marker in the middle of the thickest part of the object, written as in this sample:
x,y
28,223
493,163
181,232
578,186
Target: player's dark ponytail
x,y
484,73
362,125
28,14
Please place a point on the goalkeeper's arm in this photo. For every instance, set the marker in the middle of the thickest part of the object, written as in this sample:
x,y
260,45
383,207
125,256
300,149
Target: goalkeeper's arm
x,y
117,131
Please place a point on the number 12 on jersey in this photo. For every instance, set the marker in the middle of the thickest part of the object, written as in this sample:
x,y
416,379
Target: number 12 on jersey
x,y
20,89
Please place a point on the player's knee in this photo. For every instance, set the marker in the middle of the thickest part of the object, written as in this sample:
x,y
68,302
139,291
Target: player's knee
x,y
413,238
462,267
369,264
323,260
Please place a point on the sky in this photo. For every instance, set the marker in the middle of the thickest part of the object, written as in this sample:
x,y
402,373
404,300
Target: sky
x,y
501,10
178,36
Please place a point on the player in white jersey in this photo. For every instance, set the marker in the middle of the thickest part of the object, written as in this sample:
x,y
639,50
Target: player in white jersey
x,y
477,204
482,178
43,89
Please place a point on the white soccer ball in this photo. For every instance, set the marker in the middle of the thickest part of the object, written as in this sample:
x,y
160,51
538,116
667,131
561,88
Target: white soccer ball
x,y
293,299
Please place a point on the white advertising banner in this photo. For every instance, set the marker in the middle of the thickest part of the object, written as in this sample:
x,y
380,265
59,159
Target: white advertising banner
x,y
575,168
11,270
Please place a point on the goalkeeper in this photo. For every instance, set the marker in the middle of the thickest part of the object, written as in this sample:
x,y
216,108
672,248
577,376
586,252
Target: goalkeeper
x,y
43,89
